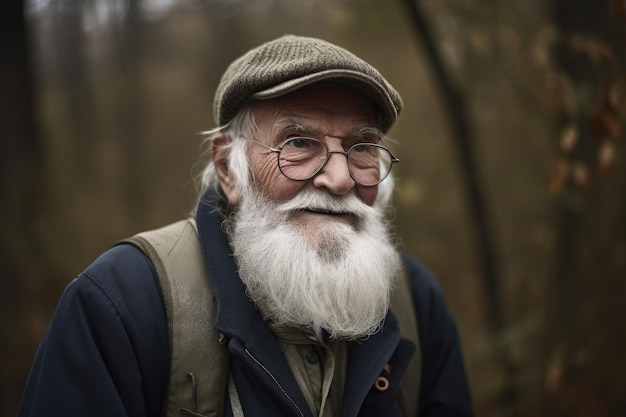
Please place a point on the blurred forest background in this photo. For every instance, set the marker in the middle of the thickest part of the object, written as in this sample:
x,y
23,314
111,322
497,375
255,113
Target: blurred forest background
x,y
511,186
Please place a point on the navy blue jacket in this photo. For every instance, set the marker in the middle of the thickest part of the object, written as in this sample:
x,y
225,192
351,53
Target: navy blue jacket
x,y
105,352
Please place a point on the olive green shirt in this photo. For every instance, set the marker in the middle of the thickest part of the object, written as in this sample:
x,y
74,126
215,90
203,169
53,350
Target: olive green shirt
x,y
319,367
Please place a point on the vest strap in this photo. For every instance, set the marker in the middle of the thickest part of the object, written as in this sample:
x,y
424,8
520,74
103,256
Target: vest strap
x,y
198,381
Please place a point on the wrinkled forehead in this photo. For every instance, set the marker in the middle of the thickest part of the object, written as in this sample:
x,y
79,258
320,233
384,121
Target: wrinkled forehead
x,y
325,108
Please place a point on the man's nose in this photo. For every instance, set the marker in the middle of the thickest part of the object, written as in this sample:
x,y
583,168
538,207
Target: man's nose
x,y
335,176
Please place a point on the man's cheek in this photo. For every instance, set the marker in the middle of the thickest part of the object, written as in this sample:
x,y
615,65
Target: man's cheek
x,y
367,194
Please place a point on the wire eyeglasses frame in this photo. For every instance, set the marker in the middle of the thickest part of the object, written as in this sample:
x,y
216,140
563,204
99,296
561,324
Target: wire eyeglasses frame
x,y
384,169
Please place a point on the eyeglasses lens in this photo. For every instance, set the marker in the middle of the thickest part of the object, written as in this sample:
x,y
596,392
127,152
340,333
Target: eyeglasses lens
x,y
366,161
300,158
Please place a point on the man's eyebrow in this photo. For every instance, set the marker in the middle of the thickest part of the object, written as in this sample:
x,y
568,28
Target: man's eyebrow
x,y
368,133
291,127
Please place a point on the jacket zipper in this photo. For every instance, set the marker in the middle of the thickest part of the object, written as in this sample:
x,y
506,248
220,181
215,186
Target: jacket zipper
x,y
275,381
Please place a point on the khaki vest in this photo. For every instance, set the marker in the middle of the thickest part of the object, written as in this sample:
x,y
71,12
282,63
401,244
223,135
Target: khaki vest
x,y
199,377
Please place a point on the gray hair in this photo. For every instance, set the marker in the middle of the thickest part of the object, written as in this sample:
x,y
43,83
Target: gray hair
x,y
241,127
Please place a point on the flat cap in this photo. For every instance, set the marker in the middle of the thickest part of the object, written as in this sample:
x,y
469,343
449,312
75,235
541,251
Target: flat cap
x,y
291,62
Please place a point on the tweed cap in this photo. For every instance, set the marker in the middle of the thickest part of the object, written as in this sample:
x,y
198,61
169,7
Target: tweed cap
x,y
291,62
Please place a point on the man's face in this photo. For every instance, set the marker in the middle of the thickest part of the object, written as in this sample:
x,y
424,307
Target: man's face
x,y
330,112
300,264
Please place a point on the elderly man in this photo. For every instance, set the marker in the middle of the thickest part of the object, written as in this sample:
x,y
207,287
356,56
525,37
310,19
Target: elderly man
x,y
295,316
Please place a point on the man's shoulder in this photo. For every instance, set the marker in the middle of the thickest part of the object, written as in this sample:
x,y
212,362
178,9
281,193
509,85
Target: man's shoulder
x,y
125,276
428,296
124,264
422,279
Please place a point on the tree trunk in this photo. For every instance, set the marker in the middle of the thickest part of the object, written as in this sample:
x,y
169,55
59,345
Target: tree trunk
x,y
21,187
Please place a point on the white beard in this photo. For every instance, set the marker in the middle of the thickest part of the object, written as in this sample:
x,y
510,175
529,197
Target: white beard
x,y
336,277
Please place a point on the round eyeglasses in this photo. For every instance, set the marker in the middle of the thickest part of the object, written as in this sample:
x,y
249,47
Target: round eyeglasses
x,y
302,158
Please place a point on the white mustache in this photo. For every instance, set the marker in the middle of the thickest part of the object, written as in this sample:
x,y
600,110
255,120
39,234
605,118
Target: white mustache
x,y
323,201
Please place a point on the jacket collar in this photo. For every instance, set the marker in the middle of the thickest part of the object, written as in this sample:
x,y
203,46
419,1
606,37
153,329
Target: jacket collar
x,y
236,314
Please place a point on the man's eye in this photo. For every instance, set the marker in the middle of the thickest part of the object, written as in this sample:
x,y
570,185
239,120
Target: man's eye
x,y
300,143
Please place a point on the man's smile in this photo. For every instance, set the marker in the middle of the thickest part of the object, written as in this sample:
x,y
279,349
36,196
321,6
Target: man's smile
x,y
317,214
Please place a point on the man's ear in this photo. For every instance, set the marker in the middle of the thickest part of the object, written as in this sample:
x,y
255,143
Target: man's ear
x,y
220,160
